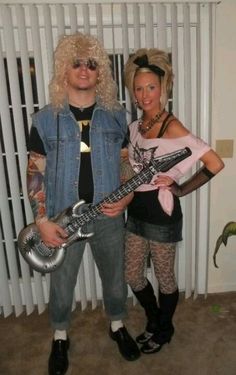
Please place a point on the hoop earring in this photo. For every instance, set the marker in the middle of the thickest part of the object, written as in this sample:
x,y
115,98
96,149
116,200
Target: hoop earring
x,y
137,106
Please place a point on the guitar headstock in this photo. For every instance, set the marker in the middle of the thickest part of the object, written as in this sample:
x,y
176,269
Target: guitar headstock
x,y
165,162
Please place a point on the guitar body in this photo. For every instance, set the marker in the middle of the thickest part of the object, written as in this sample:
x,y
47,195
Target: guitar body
x,y
47,259
41,257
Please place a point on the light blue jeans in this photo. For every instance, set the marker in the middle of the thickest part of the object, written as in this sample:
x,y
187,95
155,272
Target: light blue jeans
x,y
107,245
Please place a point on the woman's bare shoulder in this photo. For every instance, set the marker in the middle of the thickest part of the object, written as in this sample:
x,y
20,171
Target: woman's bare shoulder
x,y
176,129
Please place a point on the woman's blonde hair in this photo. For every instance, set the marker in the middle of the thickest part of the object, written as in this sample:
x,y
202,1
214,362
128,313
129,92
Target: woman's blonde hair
x,y
69,49
155,58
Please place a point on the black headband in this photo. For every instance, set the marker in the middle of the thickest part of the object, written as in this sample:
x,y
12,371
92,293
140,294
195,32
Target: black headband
x,y
142,62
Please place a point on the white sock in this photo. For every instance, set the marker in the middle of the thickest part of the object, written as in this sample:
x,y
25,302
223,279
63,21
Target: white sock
x,y
116,324
60,335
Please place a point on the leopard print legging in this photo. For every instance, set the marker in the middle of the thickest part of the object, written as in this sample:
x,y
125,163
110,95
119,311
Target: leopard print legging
x,y
163,257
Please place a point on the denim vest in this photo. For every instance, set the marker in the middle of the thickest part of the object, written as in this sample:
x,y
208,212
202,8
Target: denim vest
x,y
61,138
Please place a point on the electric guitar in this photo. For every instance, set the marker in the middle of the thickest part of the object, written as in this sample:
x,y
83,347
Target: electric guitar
x,y
47,259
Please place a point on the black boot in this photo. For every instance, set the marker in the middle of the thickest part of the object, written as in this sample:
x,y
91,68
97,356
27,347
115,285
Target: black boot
x,y
147,300
168,303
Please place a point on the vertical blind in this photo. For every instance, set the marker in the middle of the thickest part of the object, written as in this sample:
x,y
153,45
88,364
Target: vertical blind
x,y
29,32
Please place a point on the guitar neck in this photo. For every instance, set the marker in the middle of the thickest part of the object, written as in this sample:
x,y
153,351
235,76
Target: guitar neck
x,y
95,210
160,164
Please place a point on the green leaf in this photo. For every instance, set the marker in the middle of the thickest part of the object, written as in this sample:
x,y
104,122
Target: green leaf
x,y
229,230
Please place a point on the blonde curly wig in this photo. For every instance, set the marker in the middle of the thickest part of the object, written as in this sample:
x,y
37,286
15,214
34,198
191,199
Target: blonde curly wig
x,y
83,46
155,57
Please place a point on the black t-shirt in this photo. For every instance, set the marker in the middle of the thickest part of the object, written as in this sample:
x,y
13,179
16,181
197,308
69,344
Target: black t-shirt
x,y
145,206
83,118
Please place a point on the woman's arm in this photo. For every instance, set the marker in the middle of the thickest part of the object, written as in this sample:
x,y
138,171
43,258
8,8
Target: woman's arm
x,y
126,170
212,165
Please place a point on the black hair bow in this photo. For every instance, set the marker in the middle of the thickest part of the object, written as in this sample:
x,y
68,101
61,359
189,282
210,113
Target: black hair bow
x,y
142,62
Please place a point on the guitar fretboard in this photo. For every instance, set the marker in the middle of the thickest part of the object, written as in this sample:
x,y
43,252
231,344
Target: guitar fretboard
x,y
95,210
161,164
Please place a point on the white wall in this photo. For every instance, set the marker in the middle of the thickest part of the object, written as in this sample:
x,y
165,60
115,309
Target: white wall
x,y
223,187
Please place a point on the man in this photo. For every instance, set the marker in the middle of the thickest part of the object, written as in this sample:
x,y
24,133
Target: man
x,y
75,145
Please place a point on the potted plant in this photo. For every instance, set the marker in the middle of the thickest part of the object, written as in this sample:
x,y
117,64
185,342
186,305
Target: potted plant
x,y
229,230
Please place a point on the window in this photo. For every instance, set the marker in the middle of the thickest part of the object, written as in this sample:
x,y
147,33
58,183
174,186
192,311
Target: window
x,y
28,35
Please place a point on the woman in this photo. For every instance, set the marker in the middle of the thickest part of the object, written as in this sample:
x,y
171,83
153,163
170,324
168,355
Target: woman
x,y
154,223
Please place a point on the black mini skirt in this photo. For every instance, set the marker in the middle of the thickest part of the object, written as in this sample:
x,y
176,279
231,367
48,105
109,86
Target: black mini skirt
x,y
155,232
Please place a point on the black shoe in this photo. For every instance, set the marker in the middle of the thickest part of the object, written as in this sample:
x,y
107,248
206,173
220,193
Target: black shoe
x,y
127,346
58,361
144,337
153,346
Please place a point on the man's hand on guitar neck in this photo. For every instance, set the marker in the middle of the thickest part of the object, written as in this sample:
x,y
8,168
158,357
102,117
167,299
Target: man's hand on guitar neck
x,y
117,208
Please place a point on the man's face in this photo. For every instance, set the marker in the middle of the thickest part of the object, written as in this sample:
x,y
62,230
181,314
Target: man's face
x,y
82,75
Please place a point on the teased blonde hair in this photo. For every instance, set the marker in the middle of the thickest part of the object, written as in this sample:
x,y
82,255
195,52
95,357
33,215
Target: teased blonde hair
x,y
68,50
155,57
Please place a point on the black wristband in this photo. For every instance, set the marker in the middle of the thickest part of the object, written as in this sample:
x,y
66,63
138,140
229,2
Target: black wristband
x,y
208,173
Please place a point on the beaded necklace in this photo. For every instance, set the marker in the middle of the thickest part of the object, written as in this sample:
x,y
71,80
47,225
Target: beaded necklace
x,y
156,118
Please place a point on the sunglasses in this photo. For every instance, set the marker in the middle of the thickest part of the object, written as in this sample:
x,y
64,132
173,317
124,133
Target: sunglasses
x,y
90,64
